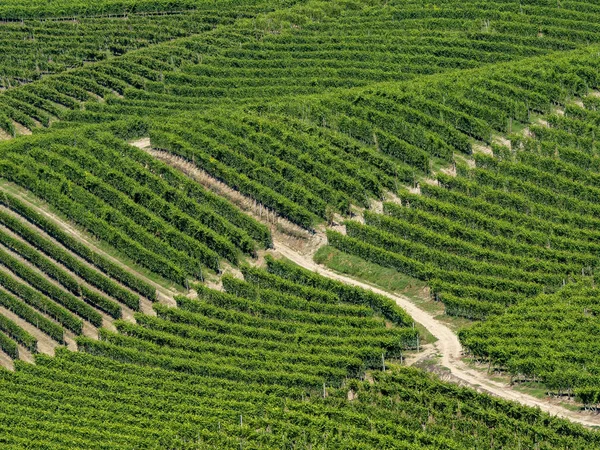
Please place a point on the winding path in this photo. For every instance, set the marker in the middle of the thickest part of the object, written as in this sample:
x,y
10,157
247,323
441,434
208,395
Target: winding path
x,y
447,346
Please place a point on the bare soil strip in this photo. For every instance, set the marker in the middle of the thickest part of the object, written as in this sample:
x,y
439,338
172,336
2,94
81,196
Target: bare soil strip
x,y
281,228
6,361
127,312
87,328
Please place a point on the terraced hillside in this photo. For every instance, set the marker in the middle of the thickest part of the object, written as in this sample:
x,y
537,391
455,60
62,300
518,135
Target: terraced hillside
x,y
157,155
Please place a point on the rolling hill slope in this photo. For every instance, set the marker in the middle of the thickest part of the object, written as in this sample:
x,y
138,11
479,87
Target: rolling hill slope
x,y
453,142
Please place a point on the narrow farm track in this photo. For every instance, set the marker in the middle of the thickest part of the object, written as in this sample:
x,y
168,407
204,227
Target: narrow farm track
x,y
447,345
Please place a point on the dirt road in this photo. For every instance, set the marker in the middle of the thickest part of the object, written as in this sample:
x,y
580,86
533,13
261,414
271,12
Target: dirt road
x,y
448,346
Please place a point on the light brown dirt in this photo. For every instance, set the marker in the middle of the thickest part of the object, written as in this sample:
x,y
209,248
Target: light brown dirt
x,y
450,170
4,136
246,204
6,361
480,147
21,130
502,141
70,338
392,198
376,206
145,304
427,351
88,329
127,312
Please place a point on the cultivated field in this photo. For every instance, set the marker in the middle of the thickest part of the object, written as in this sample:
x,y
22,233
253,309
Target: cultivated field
x,y
171,171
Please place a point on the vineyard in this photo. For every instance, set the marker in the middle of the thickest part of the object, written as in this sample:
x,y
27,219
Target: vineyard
x,y
159,159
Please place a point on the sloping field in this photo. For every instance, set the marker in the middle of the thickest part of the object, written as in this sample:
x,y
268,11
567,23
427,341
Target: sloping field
x,y
159,158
